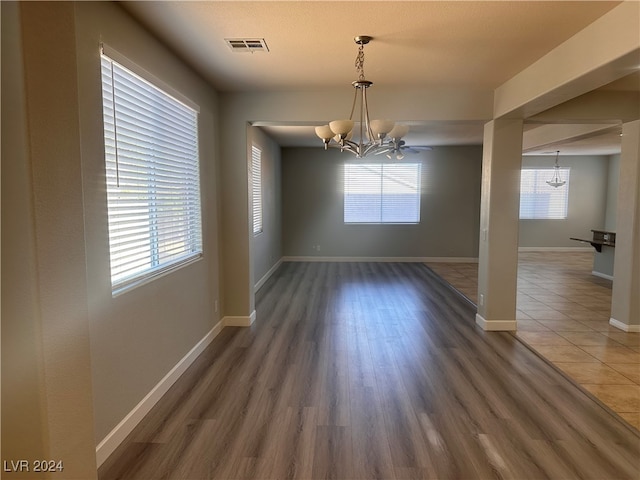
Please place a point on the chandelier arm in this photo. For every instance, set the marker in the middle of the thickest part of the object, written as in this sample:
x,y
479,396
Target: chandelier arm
x,y
363,103
345,148
366,115
367,142
373,147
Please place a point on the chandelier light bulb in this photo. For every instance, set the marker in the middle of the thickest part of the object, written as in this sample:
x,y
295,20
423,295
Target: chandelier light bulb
x,y
349,136
324,132
398,132
341,127
380,128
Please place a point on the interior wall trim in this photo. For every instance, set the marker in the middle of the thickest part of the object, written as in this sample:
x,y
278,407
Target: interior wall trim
x,y
239,321
382,259
266,276
495,325
555,249
623,326
114,438
602,275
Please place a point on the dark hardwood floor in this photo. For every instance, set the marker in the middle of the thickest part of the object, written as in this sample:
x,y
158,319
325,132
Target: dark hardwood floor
x,y
372,370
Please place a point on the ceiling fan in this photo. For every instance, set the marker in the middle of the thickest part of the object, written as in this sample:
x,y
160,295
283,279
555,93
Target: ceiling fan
x,y
396,148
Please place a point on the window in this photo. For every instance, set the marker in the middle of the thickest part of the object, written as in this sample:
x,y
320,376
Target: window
x,y
152,175
382,193
539,200
256,188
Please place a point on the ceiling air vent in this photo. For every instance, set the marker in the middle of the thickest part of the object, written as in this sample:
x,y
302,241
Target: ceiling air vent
x,y
251,45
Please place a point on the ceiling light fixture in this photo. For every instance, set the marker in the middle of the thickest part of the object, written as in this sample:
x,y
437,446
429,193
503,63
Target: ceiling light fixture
x,y
374,136
556,181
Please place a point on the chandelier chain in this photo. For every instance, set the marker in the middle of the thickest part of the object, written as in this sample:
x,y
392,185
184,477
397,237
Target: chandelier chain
x,y
360,63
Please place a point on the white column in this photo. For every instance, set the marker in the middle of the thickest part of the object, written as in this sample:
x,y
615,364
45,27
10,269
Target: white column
x,y
499,216
625,298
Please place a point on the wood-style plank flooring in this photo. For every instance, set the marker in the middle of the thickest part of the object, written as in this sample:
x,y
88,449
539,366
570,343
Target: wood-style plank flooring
x,y
372,370
563,314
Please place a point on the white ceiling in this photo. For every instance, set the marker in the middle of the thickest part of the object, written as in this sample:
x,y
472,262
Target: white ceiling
x,y
473,44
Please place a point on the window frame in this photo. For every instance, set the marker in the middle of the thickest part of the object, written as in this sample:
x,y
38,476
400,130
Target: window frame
x,y
257,207
539,186
156,189
383,205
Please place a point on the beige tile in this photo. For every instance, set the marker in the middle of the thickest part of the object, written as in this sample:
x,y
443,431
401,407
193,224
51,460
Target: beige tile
x,y
620,398
542,338
520,315
567,307
589,339
558,353
624,338
545,314
581,315
593,373
547,296
529,290
525,325
632,418
612,354
565,325
598,325
629,370
533,308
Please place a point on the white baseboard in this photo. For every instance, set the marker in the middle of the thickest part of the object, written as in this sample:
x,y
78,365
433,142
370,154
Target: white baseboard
x,y
623,326
555,249
240,321
449,260
108,445
496,325
602,275
383,259
266,276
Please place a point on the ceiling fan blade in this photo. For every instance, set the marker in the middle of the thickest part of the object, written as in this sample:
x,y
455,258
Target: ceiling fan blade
x,y
380,152
420,147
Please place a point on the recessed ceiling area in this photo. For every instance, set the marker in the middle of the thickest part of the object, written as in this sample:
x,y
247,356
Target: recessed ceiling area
x,y
431,134
604,142
600,144
416,44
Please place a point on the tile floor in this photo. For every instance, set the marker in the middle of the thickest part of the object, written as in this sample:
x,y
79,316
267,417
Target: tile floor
x,y
563,314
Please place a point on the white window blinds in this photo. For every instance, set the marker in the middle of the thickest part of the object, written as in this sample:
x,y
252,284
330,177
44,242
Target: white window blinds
x,y
256,188
382,193
539,200
152,174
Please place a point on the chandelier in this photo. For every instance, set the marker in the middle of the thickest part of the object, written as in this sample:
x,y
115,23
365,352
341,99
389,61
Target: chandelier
x,y
372,136
556,181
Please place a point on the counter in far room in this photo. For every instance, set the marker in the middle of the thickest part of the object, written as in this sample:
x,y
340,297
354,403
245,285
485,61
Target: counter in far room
x,y
604,243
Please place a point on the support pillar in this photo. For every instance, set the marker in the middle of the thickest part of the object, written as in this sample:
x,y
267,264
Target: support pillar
x,y
625,297
499,217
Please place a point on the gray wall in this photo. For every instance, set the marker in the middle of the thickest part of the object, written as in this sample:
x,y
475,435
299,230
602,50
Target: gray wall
x,y
137,337
312,207
267,246
587,203
613,177
79,360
